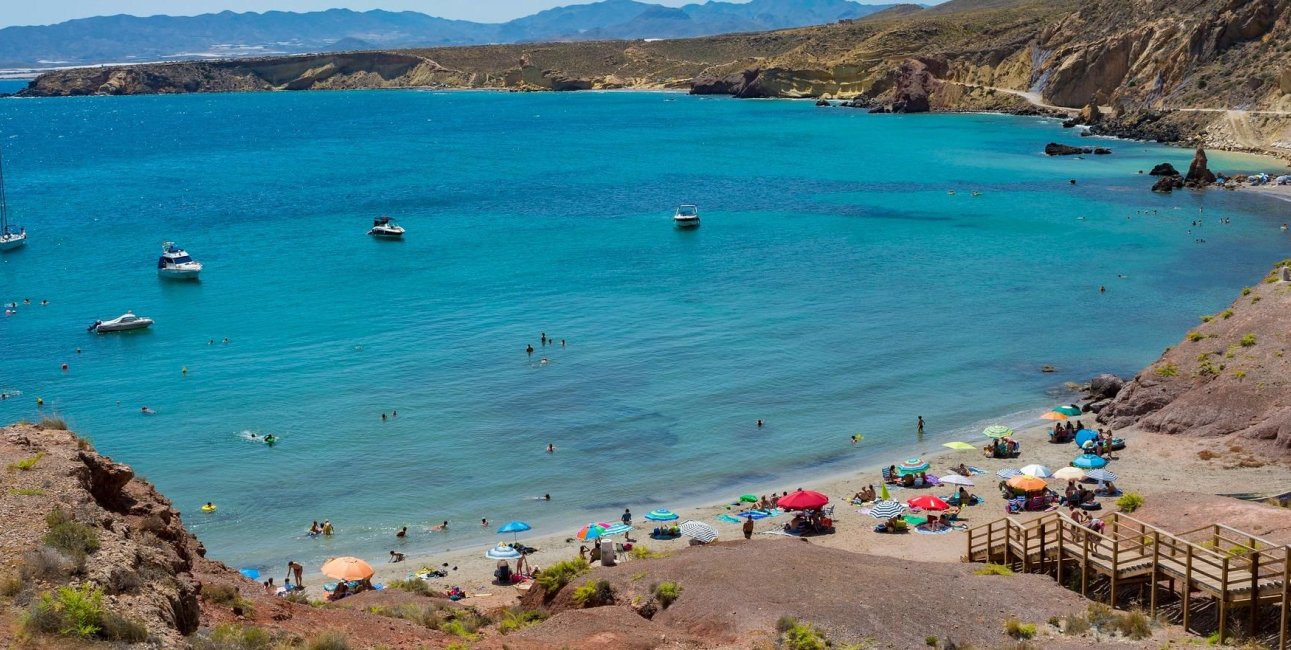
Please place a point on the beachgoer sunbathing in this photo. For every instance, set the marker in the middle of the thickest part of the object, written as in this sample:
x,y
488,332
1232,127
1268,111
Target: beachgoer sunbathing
x,y
342,590
907,480
962,470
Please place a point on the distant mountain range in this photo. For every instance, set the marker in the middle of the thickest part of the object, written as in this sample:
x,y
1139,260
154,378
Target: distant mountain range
x,y
121,38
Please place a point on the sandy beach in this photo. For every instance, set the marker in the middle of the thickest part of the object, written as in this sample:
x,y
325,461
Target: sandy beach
x,y
1152,464
1282,192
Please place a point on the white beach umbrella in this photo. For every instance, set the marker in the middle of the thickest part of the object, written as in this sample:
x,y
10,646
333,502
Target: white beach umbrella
x,y
699,530
502,552
1070,473
956,479
1038,471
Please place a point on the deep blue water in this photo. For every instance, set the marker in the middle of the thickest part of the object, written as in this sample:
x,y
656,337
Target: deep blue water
x,y
835,287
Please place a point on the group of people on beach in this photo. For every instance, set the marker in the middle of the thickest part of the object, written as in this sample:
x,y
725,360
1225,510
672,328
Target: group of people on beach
x,y
325,529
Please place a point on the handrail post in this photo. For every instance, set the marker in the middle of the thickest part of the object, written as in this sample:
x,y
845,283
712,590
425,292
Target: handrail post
x,y
1062,532
1116,570
1084,566
1187,587
1286,578
1223,599
1156,556
990,541
1026,550
1042,548
1255,592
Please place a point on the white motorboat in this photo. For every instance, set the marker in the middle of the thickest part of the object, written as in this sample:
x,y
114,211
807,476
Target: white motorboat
x,y
176,263
386,228
687,216
123,323
11,237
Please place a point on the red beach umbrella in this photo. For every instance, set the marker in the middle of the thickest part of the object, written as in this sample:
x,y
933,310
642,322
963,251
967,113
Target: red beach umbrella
x,y
803,500
928,502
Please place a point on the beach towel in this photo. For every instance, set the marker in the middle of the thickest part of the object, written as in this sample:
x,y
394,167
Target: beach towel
x,y
729,519
975,470
924,530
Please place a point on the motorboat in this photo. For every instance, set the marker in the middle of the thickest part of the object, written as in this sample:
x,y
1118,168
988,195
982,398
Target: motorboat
x,y
123,323
176,263
386,228
11,237
687,216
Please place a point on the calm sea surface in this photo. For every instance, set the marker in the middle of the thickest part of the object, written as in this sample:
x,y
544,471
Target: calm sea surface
x,y
835,287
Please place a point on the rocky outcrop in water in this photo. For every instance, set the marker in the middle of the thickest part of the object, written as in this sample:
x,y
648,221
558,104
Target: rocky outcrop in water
x,y
1164,169
1199,174
1230,376
1058,149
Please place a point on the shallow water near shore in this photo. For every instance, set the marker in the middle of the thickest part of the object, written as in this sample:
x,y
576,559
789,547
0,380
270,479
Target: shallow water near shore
x,y
834,287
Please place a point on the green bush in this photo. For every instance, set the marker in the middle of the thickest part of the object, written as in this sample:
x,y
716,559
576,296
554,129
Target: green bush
x,y
795,635
227,636
27,464
27,492
642,553
1167,370
415,585
1135,625
218,594
68,611
994,570
1246,291
1130,501
1195,336
53,422
1247,341
1226,314
328,641
518,618
554,578
1019,630
71,537
594,594
666,593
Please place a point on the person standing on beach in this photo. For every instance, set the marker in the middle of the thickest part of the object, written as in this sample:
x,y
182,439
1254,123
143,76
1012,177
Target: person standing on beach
x,y
627,517
748,527
296,569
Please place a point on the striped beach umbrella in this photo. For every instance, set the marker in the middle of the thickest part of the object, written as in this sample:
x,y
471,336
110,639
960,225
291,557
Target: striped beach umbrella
x,y
887,510
616,529
1008,473
1089,461
699,530
591,531
1038,471
661,515
912,466
502,552
1101,475
997,431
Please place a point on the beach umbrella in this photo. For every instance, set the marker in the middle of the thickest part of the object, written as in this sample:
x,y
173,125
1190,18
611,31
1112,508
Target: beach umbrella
x,y
887,509
803,500
956,479
253,574
912,466
748,498
997,431
1008,473
1026,483
616,529
1085,435
699,530
928,502
959,446
1089,461
883,492
515,528
661,515
502,552
1100,475
1070,473
1054,415
347,568
591,531
1070,409
1038,471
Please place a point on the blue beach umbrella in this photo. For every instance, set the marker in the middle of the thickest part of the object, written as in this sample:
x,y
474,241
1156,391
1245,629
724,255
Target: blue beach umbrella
x,y
616,529
1085,435
1089,461
661,515
502,552
253,574
912,466
515,528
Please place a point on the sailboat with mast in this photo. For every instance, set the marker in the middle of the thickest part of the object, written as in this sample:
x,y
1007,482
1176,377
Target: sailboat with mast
x,y
11,237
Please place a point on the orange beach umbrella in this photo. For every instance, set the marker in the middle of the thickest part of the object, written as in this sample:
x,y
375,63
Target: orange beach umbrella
x,y
347,568
1053,415
1027,483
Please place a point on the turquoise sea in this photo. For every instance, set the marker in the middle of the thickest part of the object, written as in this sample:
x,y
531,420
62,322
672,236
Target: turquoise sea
x,y
835,287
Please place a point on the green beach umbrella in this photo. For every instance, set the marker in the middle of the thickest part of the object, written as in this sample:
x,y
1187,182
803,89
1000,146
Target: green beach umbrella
x,y
748,498
961,446
883,493
997,431
1068,410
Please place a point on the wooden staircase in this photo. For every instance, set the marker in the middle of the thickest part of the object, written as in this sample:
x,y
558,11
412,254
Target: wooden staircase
x,y
1237,569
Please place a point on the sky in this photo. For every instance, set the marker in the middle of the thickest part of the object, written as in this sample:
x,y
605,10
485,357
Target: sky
x,y
17,12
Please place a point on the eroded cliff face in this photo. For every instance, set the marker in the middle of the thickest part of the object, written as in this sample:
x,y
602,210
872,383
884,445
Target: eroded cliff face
x,y
1231,376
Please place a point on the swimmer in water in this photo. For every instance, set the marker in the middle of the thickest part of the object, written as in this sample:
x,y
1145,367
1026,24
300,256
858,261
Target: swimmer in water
x,y
1102,289
440,527
760,424
551,448
546,497
484,522
147,411
226,340
269,439
403,532
209,506
529,349
543,361
383,417
254,436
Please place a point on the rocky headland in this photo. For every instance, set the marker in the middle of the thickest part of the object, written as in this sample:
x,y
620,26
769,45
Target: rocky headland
x,y
1214,71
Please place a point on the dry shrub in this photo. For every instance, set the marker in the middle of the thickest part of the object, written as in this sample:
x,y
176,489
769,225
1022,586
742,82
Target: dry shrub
x,y
1206,454
48,564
